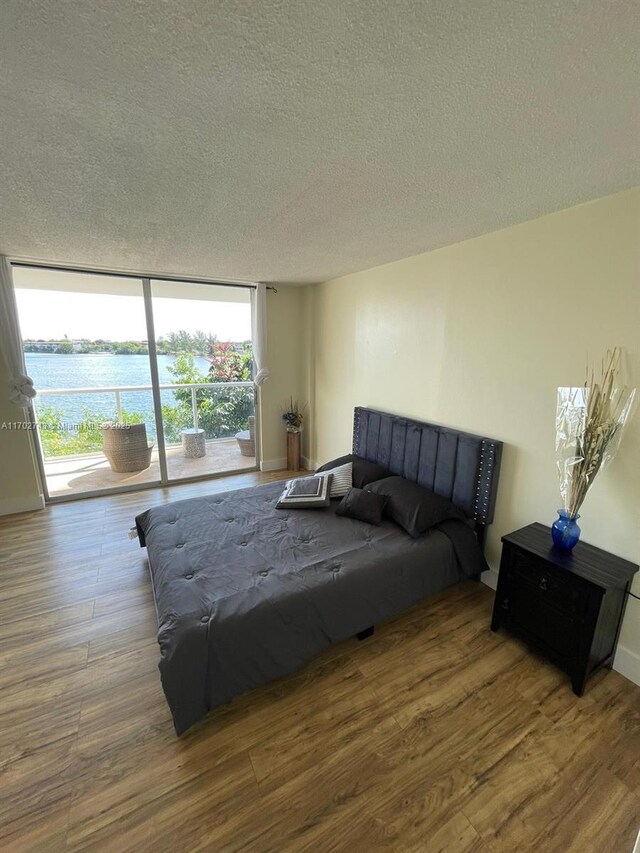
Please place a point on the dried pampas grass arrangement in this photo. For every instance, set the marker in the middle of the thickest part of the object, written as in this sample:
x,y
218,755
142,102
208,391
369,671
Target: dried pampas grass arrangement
x,y
590,422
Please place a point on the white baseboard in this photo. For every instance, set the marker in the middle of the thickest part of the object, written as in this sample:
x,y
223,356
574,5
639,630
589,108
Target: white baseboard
x,y
627,663
281,464
273,464
10,506
309,464
490,578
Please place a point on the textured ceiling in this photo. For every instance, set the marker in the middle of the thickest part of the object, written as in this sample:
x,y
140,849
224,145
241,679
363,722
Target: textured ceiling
x,y
296,141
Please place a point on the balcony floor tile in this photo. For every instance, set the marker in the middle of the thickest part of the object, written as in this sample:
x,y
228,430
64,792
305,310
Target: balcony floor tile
x,y
68,476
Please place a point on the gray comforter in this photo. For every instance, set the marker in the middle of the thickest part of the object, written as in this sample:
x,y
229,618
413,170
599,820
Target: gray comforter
x,y
246,592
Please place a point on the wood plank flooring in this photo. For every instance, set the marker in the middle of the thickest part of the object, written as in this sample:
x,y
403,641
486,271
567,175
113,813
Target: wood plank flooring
x,y
433,735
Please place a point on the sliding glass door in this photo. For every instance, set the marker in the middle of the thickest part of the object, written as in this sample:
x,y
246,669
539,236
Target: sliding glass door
x,y
203,353
139,382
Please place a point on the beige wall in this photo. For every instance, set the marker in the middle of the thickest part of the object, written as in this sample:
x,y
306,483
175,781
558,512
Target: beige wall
x,y
288,361
478,336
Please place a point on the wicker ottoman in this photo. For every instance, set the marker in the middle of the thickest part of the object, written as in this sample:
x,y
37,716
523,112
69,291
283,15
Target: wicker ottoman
x,y
193,443
126,447
247,447
247,438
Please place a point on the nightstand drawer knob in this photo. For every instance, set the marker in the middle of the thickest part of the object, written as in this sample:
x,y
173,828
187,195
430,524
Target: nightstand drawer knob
x,y
543,584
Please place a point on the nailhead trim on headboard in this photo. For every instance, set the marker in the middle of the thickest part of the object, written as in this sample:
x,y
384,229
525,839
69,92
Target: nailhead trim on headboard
x,y
485,494
356,428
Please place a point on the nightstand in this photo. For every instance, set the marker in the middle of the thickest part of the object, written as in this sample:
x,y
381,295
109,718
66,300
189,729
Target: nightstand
x,y
566,605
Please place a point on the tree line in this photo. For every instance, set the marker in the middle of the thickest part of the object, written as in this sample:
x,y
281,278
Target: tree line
x,y
194,343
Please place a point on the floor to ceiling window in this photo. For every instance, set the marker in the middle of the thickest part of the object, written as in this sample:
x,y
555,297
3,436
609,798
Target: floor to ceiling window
x,y
139,382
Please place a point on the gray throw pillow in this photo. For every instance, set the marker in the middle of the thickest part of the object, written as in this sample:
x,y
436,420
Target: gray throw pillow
x,y
364,472
415,509
363,506
306,493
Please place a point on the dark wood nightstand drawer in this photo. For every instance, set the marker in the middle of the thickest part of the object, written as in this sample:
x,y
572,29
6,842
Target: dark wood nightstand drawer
x,y
550,587
531,611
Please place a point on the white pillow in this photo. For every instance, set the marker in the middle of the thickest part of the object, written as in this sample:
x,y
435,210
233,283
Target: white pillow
x,y
342,479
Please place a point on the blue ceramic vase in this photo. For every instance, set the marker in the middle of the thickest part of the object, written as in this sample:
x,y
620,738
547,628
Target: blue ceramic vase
x,y
565,531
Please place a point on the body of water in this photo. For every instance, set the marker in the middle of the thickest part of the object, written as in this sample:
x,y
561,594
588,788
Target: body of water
x,y
95,370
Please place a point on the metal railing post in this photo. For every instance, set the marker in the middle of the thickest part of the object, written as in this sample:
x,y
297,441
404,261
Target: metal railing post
x,y
194,407
118,407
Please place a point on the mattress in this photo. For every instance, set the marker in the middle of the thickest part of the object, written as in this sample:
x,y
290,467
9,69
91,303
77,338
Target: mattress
x,y
246,593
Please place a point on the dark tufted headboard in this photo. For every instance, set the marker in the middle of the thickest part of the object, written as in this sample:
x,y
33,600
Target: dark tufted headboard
x,y
462,467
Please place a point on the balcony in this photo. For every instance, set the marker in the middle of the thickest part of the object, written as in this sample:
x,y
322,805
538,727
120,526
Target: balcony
x,y
220,409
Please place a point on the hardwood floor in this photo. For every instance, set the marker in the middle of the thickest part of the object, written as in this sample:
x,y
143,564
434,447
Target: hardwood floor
x,y
432,735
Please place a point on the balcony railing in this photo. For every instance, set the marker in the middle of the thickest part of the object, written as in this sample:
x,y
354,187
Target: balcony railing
x,y
119,389
209,405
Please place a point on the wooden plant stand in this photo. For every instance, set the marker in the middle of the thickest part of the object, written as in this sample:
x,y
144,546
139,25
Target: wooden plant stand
x,y
293,451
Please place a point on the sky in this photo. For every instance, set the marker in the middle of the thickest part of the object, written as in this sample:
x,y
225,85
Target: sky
x,y
52,315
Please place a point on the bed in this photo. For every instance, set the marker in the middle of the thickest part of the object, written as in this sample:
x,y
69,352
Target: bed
x,y
246,592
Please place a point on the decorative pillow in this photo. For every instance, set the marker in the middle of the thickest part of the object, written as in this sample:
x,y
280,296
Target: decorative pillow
x,y
342,478
364,472
415,509
306,493
363,505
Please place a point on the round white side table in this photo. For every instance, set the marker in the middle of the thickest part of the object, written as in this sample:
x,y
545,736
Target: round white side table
x,y
193,443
